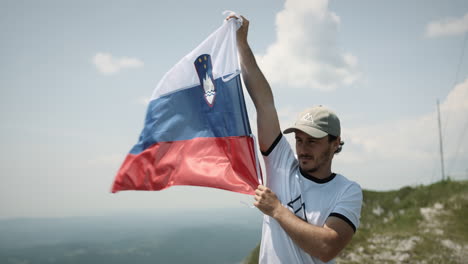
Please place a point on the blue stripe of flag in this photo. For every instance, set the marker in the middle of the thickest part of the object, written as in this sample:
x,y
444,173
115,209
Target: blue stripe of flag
x,y
185,115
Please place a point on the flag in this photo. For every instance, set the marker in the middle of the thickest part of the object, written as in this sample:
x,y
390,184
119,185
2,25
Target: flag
x,y
196,128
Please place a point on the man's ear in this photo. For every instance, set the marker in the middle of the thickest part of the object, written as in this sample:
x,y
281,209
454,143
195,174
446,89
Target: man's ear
x,y
337,143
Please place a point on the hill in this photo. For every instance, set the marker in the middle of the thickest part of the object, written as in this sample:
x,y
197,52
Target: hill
x,y
423,224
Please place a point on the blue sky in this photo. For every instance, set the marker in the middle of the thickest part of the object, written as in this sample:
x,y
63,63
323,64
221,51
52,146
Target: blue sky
x,y
76,76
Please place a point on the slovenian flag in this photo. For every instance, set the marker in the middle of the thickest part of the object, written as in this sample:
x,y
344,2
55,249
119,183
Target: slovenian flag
x,y
196,129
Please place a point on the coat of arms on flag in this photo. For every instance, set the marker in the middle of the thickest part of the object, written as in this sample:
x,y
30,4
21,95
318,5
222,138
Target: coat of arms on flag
x,y
196,130
204,70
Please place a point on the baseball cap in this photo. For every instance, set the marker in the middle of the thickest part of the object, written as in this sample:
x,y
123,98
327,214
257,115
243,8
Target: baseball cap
x,y
317,122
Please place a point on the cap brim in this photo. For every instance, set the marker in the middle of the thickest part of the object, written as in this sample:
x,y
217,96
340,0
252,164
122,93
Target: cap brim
x,y
311,131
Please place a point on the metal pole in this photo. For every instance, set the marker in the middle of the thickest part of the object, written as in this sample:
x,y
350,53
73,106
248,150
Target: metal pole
x,y
440,143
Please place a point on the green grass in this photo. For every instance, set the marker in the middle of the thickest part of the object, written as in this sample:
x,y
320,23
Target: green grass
x,y
393,229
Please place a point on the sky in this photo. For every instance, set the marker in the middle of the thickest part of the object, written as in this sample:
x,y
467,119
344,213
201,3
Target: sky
x,y
76,77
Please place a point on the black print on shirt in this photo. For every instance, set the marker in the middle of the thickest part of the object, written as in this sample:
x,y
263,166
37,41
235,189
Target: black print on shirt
x,y
298,208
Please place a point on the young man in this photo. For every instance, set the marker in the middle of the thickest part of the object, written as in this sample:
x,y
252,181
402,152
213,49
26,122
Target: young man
x,y
311,214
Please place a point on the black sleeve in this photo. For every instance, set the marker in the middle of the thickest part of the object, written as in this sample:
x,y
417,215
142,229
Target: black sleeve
x,y
270,149
344,218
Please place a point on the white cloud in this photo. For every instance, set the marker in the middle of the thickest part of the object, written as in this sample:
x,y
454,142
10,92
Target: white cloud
x,y
143,100
306,53
107,64
447,27
113,160
403,152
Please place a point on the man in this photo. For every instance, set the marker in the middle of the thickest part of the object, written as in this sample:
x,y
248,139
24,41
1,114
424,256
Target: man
x,y
311,214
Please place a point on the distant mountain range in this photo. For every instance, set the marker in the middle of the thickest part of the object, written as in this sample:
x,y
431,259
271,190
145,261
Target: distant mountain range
x,y
423,224
192,236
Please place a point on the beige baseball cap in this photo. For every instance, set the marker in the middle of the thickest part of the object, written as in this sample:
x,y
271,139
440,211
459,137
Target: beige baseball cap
x,y
317,122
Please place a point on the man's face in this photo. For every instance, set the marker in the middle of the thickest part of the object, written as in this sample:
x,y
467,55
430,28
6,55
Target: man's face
x,y
314,154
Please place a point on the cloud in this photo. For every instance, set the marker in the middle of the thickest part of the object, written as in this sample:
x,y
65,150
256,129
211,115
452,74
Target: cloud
x,y
113,160
305,53
143,100
107,64
447,27
397,153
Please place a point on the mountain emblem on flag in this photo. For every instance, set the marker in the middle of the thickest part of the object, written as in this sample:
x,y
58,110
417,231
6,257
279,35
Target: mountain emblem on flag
x,y
204,69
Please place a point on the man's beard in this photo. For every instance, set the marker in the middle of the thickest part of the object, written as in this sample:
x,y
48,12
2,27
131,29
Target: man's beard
x,y
321,161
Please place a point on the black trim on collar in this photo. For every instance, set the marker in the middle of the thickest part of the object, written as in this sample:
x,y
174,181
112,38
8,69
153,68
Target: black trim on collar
x,y
344,218
317,180
273,145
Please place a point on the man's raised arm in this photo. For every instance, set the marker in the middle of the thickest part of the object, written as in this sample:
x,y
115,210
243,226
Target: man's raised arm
x,y
259,90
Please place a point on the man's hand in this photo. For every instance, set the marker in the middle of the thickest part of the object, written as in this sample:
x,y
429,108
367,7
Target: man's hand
x,y
266,201
242,31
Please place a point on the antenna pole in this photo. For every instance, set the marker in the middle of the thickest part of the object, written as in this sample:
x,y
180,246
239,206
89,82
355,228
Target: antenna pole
x,y
440,143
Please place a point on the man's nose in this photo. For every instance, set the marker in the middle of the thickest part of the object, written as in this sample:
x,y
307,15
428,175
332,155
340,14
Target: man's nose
x,y
300,150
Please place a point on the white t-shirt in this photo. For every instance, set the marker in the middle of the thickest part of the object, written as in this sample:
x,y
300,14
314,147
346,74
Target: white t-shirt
x,y
311,199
